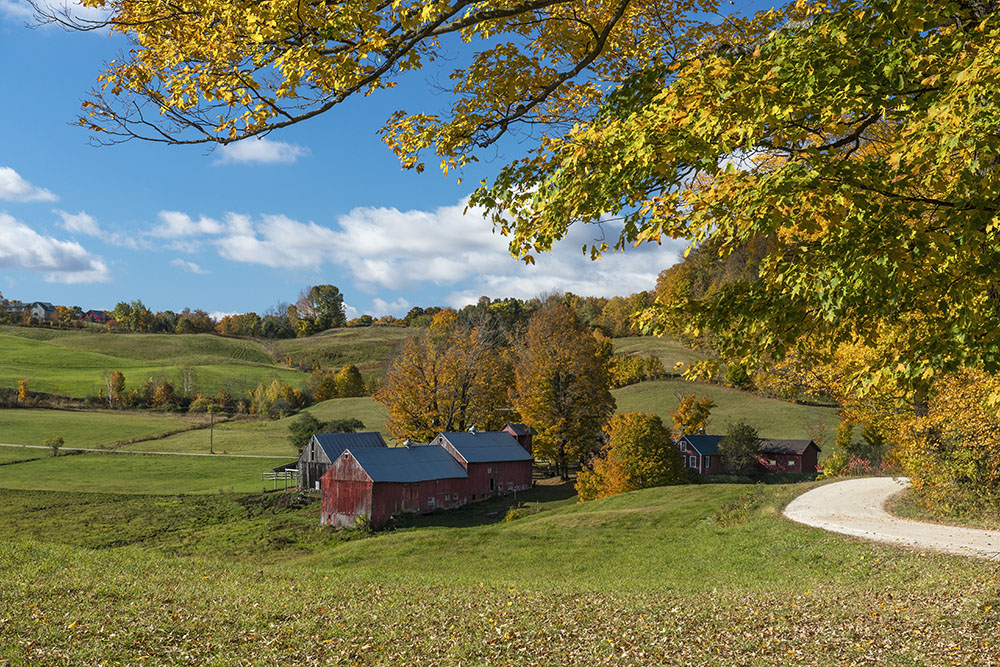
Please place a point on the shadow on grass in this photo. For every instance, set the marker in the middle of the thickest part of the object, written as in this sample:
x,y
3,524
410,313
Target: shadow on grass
x,y
490,510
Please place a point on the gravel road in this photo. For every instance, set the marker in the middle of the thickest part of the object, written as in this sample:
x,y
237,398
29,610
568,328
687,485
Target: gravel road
x,y
857,507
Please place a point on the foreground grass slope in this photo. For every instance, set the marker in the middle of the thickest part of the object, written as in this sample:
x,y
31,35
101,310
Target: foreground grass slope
x,y
681,575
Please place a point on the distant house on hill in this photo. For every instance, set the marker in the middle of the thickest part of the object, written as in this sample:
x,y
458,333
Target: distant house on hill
x,y
522,433
700,455
98,316
789,455
377,483
42,311
324,448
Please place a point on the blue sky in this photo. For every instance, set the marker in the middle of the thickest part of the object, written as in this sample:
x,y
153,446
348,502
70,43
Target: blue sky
x,y
242,229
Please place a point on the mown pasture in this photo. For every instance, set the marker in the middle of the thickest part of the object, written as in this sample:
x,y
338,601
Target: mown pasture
x,y
701,574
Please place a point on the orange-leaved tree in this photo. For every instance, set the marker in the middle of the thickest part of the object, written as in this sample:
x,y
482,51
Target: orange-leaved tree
x,y
639,454
448,378
562,387
692,415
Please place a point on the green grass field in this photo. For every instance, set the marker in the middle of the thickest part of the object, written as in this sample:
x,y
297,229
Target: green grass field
x,y
680,575
771,417
12,454
137,473
87,429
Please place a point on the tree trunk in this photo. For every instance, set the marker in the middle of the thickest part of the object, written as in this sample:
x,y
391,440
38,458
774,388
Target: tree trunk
x,y
563,465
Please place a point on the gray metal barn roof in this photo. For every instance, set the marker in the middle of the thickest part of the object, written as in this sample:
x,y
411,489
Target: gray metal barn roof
x,y
522,429
486,447
334,444
779,446
414,463
706,445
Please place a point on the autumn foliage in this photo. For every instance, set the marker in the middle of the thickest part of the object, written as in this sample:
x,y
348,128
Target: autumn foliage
x,y
692,415
639,454
952,454
448,378
562,388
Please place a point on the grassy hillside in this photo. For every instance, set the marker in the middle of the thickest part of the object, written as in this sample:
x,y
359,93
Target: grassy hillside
x,y
771,417
680,575
86,429
670,351
72,363
368,348
269,438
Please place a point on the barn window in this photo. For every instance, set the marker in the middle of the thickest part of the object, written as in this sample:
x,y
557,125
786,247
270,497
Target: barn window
x,y
493,484
693,461
454,496
489,470
791,462
772,462
430,501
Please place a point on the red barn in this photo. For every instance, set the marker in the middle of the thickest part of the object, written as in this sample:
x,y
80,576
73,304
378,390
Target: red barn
x,y
496,463
700,454
788,455
324,448
377,483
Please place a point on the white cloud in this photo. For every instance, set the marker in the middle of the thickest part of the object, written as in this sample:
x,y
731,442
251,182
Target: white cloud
x,y
15,188
217,315
350,311
188,266
15,9
81,223
398,307
66,9
385,248
174,225
260,151
21,247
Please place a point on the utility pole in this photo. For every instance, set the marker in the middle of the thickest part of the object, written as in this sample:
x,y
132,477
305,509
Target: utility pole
x,y
211,430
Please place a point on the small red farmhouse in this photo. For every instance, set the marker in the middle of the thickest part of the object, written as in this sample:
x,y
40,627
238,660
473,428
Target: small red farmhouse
x,y
496,462
700,453
324,448
788,455
378,483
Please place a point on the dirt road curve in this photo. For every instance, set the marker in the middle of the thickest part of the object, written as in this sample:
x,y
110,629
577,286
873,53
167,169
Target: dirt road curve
x,y
857,507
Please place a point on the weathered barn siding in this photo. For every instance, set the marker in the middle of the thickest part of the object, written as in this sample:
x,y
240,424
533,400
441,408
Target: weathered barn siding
x,y
346,491
491,479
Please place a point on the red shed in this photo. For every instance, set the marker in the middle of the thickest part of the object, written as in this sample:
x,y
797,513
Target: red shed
x,y
379,482
324,448
496,463
788,455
